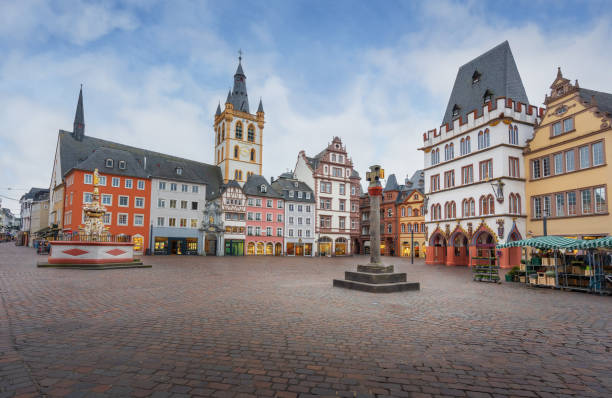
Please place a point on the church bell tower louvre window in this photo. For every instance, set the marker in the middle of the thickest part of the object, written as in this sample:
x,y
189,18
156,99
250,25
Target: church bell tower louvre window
x,y
238,130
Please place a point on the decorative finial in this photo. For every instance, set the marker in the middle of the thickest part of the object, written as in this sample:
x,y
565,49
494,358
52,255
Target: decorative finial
x,y
559,74
576,85
81,86
239,55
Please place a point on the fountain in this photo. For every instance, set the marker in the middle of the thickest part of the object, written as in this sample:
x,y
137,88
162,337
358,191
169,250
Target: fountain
x,y
93,247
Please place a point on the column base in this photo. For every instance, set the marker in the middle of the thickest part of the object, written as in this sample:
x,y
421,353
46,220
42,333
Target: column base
x,y
376,278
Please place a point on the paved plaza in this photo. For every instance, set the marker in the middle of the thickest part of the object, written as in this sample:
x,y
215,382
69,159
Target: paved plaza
x,y
262,326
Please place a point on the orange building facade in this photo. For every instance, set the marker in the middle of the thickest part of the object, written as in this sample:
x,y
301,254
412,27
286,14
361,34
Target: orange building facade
x,y
126,199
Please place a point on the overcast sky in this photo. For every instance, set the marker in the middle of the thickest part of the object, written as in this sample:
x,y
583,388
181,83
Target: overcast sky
x,y
377,74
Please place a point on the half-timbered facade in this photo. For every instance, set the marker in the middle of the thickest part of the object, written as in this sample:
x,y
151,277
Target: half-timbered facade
x,y
233,205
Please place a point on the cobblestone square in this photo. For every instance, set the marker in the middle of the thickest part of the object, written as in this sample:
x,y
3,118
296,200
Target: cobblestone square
x,y
275,326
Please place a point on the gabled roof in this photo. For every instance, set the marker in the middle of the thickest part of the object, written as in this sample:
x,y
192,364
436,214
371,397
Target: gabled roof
x,y
74,153
497,72
36,194
602,100
285,184
253,185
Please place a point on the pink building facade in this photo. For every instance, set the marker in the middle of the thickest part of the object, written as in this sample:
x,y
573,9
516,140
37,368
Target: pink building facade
x,y
265,218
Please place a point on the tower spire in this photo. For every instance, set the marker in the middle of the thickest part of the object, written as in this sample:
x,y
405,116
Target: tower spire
x,y
239,97
78,130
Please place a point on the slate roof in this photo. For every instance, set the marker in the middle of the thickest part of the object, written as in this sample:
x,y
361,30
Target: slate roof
x,y
260,107
603,100
498,74
391,184
252,187
238,96
79,118
283,185
36,194
78,154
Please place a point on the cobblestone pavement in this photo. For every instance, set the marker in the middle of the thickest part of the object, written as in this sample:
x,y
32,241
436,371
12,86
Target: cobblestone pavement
x,y
241,327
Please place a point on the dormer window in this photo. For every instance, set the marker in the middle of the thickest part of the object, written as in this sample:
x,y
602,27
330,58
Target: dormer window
x,y
488,96
456,110
109,163
295,184
561,110
476,77
179,170
263,188
122,164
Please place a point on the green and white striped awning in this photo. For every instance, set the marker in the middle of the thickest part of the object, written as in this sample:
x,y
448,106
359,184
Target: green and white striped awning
x,y
545,242
601,243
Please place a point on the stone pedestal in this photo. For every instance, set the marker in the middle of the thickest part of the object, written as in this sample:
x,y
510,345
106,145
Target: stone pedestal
x,y
375,278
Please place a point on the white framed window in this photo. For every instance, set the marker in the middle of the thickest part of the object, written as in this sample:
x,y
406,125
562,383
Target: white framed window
x,y
124,201
88,179
161,221
279,218
307,195
291,207
184,188
290,194
138,220
116,181
139,202
269,203
109,163
87,197
107,218
161,203
128,183
279,232
102,181
122,219
268,231
107,199
195,189
162,185
279,204
122,164
172,186
140,185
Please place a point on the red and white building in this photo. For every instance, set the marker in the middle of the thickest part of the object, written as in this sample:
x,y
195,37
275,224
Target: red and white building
x,y
329,174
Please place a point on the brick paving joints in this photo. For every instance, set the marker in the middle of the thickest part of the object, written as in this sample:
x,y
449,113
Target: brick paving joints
x,y
252,327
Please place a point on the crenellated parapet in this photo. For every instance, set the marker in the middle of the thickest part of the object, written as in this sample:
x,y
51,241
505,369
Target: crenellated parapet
x,y
500,108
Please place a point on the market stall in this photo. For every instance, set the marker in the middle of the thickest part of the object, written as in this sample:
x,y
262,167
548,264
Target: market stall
x,y
566,263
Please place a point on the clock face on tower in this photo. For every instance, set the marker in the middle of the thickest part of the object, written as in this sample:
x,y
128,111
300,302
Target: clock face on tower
x,y
244,152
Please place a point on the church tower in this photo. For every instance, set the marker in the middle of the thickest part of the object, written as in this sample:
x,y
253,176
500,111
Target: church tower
x,y
238,133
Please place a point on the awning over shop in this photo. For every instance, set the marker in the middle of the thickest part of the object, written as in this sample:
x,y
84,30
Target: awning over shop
x,y
546,242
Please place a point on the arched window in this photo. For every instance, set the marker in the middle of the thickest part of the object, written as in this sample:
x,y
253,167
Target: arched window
x,y
486,138
491,204
239,130
481,140
451,151
467,145
517,199
433,212
465,208
251,133
453,210
472,207
433,157
218,136
409,212
484,205
462,147
236,152
252,155
415,227
446,152
223,132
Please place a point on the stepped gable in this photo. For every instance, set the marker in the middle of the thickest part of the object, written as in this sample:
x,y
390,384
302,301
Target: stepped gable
x,y
493,72
74,152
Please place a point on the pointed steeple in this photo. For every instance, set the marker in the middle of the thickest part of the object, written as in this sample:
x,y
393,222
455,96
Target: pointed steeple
x,y
218,109
239,97
260,107
78,130
229,97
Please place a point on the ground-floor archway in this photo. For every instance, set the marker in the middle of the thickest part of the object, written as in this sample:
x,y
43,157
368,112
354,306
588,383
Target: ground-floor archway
x,y
436,251
340,247
325,246
458,252
278,249
482,250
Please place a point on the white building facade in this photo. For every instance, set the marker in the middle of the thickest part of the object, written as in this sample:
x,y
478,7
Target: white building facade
x,y
329,174
176,216
474,177
299,239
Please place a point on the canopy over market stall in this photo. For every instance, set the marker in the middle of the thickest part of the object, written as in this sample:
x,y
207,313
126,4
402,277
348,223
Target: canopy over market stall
x,y
589,274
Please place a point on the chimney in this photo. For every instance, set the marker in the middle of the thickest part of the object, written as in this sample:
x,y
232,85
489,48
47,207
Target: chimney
x,y
271,179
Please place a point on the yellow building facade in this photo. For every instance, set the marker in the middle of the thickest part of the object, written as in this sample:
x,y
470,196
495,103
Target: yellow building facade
x,y
566,164
411,224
